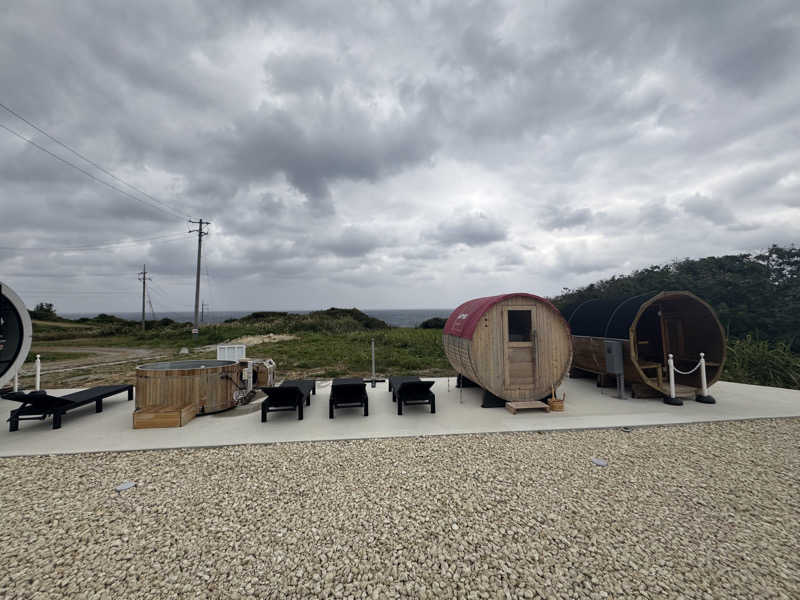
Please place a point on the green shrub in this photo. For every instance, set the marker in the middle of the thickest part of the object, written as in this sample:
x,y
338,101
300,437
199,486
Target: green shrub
x,y
761,362
433,323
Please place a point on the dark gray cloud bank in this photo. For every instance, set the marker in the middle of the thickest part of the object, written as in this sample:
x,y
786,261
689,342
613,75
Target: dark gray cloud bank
x,y
408,154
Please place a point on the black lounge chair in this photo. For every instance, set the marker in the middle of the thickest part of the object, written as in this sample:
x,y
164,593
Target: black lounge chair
x,y
290,395
410,389
348,392
38,404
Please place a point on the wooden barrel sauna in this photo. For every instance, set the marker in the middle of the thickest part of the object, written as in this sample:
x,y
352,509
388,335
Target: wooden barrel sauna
x,y
209,384
650,326
515,346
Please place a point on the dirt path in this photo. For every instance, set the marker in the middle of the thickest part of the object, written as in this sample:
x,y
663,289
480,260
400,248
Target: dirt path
x,y
100,355
107,365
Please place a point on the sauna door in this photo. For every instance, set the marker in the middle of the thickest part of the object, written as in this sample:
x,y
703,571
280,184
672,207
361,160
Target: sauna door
x,y
519,348
672,333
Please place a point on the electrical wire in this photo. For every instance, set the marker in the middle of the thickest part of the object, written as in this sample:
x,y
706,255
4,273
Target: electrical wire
x,y
208,284
156,205
150,302
81,156
163,298
163,238
76,293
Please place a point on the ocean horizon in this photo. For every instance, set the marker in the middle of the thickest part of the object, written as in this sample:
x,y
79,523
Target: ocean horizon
x,y
394,317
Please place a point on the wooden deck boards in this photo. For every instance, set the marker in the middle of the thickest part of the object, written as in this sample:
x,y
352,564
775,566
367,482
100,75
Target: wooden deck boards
x,y
516,405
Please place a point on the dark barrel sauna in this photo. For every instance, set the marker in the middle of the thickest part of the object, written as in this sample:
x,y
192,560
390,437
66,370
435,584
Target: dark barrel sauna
x,y
650,326
515,346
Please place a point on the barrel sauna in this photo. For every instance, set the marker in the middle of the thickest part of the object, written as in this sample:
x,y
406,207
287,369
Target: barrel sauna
x,y
515,346
208,384
650,326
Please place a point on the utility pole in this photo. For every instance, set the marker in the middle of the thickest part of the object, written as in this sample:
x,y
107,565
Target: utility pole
x,y
143,278
203,311
200,233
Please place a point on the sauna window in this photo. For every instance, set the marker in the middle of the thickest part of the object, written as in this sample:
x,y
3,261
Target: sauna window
x,y
519,326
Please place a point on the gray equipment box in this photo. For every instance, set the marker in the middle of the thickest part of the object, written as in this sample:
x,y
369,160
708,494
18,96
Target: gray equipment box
x,y
614,362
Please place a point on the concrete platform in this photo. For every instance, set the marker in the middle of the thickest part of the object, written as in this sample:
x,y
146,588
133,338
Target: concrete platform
x,y
457,411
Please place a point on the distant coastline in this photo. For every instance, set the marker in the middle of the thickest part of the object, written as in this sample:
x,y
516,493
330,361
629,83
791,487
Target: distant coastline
x,y
394,317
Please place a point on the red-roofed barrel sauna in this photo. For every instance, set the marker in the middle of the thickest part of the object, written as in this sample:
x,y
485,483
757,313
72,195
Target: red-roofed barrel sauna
x,y
650,326
515,346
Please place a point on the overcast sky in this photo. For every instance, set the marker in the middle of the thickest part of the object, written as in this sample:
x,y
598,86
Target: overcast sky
x,y
389,155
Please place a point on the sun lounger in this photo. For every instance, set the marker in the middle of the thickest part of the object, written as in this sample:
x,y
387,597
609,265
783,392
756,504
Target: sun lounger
x,y
410,389
38,405
348,392
292,394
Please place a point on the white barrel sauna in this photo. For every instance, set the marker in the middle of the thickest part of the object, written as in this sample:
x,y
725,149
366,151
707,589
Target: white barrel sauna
x,y
16,333
515,346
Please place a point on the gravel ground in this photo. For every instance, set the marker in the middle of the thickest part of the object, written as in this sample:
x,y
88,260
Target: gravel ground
x,y
697,511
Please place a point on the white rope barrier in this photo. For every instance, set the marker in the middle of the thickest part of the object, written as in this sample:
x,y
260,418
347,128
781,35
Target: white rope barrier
x,y
677,370
700,365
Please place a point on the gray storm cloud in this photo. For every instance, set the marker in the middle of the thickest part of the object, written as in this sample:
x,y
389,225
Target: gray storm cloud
x,y
393,154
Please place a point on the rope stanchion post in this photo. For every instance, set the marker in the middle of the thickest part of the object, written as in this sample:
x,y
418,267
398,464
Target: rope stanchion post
x,y
373,363
672,399
38,372
704,397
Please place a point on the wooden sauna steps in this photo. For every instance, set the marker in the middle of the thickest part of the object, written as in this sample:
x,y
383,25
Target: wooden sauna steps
x,y
516,405
681,391
163,416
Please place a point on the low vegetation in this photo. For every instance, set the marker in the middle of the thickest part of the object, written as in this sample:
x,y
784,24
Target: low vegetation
x,y
329,343
433,323
761,362
398,351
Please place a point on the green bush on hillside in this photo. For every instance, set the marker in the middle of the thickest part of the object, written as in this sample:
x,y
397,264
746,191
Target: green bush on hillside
x,y
761,362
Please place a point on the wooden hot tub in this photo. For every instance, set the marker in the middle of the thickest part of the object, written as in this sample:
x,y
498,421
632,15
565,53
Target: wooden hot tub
x,y
208,384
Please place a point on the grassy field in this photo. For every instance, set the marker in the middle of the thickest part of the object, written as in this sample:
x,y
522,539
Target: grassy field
x,y
397,352
331,343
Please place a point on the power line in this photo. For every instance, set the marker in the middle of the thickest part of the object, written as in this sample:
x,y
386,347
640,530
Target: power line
x,y
157,205
164,238
79,155
74,293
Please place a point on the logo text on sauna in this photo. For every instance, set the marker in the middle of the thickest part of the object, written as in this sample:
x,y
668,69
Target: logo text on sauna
x,y
462,316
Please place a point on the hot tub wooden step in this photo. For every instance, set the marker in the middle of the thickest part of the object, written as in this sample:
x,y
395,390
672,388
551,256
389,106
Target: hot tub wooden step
x,y
516,405
163,416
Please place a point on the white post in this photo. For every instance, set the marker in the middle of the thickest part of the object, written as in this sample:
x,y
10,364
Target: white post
x,y
703,382
16,381
671,364
373,362
38,372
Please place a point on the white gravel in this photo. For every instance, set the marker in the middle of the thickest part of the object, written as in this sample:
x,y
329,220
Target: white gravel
x,y
695,511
